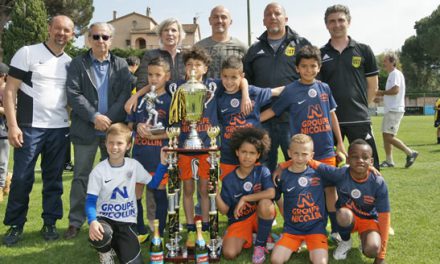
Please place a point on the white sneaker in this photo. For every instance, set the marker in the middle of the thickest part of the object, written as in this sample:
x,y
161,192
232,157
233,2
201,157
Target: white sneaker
x,y
106,258
342,249
335,237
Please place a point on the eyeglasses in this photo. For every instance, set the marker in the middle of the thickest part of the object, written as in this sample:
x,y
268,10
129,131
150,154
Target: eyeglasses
x,y
104,37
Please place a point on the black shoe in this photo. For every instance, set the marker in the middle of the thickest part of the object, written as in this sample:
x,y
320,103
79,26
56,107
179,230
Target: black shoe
x,y
13,235
411,158
49,232
68,166
386,164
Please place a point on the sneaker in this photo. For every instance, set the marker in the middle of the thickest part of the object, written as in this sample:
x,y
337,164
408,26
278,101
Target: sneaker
x,y
335,237
342,249
49,232
259,255
386,164
143,238
191,239
411,158
106,258
71,232
13,235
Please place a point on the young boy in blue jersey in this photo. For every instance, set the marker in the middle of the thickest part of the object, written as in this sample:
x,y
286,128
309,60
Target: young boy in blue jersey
x,y
363,202
305,216
111,198
246,196
229,108
147,143
312,112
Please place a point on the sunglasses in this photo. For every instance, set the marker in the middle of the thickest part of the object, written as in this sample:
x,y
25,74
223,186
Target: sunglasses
x,y
104,37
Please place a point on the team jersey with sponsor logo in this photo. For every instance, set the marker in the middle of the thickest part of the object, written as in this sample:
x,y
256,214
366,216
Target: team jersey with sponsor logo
x,y
231,117
147,151
115,188
304,202
41,99
309,108
233,188
365,198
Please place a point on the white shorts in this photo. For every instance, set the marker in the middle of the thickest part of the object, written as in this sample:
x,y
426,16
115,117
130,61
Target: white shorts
x,y
391,122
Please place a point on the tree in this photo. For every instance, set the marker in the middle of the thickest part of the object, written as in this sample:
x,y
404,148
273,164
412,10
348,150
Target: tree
x,y
80,11
421,55
28,26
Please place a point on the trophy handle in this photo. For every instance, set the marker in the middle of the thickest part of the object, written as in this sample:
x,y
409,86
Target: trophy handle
x,y
172,88
212,87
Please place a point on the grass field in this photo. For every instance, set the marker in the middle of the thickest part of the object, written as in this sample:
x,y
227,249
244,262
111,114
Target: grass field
x,y
414,195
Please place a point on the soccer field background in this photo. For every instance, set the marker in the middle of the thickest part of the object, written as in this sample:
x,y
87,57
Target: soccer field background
x,y
414,196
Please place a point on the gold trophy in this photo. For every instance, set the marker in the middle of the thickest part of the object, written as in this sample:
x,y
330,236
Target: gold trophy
x,y
188,104
213,133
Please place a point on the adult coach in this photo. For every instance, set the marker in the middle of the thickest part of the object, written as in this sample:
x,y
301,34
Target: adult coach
x,y
350,69
220,45
394,109
36,88
98,84
270,62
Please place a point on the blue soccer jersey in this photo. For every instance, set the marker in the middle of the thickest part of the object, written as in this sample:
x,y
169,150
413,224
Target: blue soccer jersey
x,y
231,117
304,202
233,188
309,108
209,114
147,151
365,198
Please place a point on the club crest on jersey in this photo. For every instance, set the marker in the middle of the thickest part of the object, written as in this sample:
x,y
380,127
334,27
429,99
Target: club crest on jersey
x,y
355,193
356,61
302,181
290,51
247,186
312,93
235,102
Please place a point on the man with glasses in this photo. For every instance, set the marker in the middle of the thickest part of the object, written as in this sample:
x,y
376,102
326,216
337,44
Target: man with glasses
x,y
98,84
36,110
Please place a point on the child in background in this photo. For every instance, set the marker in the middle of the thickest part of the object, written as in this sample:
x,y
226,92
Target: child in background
x,y
437,119
229,108
111,198
246,196
4,144
305,216
147,146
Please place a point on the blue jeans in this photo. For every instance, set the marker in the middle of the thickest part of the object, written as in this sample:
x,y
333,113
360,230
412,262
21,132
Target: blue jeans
x,y
51,144
279,133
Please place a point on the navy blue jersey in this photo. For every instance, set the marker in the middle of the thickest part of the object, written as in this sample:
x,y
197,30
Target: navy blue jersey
x,y
365,198
309,108
304,202
147,151
233,188
231,117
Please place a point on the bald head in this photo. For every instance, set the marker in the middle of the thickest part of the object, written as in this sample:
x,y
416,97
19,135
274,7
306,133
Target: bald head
x,y
275,5
275,20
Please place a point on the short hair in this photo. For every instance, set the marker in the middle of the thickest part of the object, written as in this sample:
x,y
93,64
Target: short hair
x,y
301,139
197,53
160,62
109,27
233,62
337,9
166,23
120,129
133,60
392,57
359,141
255,136
308,52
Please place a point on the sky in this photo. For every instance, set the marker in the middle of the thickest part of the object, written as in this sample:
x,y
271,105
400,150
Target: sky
x,y
382,24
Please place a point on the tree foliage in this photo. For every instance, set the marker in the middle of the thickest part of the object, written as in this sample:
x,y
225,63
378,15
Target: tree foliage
x,y
80,11
28,26
421,55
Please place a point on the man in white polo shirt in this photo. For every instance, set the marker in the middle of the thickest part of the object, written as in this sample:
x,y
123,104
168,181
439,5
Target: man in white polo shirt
x,y
394,109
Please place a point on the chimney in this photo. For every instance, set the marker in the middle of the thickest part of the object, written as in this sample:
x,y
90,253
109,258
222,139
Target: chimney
x,y
148,11
195,20
114,14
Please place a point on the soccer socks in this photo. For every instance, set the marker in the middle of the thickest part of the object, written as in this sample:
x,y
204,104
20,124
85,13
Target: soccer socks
x,y
333,222
191,227
160,197
264,228
142,230
205,226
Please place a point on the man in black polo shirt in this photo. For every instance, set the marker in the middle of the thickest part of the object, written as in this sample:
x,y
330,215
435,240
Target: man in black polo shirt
x,y
350,69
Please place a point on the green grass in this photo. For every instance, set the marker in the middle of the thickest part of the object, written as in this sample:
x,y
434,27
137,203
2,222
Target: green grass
x,y
414,195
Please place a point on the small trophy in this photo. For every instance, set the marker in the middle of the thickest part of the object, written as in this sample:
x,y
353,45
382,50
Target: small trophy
x,y
213,133
150,100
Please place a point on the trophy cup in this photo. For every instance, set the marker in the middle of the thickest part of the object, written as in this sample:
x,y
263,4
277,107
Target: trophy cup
x,y
150,100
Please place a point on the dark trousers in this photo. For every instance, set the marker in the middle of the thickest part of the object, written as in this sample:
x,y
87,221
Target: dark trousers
x,y
279,133
51,144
